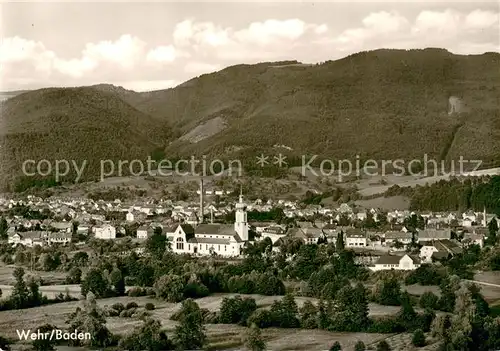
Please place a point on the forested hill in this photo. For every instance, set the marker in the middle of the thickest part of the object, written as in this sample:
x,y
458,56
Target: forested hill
x,y
457,194
382,104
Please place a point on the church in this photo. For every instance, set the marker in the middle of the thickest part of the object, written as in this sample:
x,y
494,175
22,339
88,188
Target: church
x,y
212,238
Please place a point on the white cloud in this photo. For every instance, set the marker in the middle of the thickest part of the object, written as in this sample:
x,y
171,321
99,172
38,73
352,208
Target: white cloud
x,y
211,46
376,24
188,32
479,19
438,22
270,30
126,51
75,68
162,54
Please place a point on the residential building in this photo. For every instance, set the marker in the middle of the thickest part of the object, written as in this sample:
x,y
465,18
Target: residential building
x,y
105,231
388,262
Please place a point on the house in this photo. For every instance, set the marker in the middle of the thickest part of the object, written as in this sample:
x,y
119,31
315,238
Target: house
x,y
59,238
307,235
28,239
392,237
475,238
83,229
387,262
65,227
355,238
142,232
434,234
259,227
105,231
129,217
274,233
438,249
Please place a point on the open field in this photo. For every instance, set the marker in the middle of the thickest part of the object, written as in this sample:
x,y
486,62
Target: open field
x,y
10,321
49,290
386,203
488,277
368,187
6,275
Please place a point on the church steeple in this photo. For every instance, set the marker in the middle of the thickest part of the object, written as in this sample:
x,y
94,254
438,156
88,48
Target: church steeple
x,y
485,223
240,224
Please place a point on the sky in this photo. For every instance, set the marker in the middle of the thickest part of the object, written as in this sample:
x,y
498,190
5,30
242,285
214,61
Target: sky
x,y
157,45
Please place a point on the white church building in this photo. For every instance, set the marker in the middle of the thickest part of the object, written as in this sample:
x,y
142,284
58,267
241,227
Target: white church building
x,y
206,239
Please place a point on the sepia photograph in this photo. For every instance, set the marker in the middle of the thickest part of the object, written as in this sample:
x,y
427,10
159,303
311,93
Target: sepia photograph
x,y
250,175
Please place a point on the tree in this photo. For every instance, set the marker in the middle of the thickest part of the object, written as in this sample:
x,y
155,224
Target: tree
x,y
3,228
236,310
74,276
190,333
156,244
34,295
20,294
149,337
418,338
359,346
254,340
117,280
492,231
388,292
94,282
308,315
80,259
351,309
339,245
406,316
170,287
44,344
91,319
285,312
383,346
428,300
336,346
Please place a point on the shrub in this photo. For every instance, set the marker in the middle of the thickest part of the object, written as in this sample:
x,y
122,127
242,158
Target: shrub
x,y
131,305
385,325
195,290
360,346
261,318
127,313
112,313
383,346
149,306
418,339
140,314
118,307
428,300
236,310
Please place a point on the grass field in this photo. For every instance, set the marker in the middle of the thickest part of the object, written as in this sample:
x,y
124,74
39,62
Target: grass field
x,y
221,336
6,277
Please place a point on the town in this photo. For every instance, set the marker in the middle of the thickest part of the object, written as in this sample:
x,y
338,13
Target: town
x,y
399,239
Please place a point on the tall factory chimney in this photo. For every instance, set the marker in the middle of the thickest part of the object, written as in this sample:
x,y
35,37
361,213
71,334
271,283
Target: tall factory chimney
x,y
202,193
